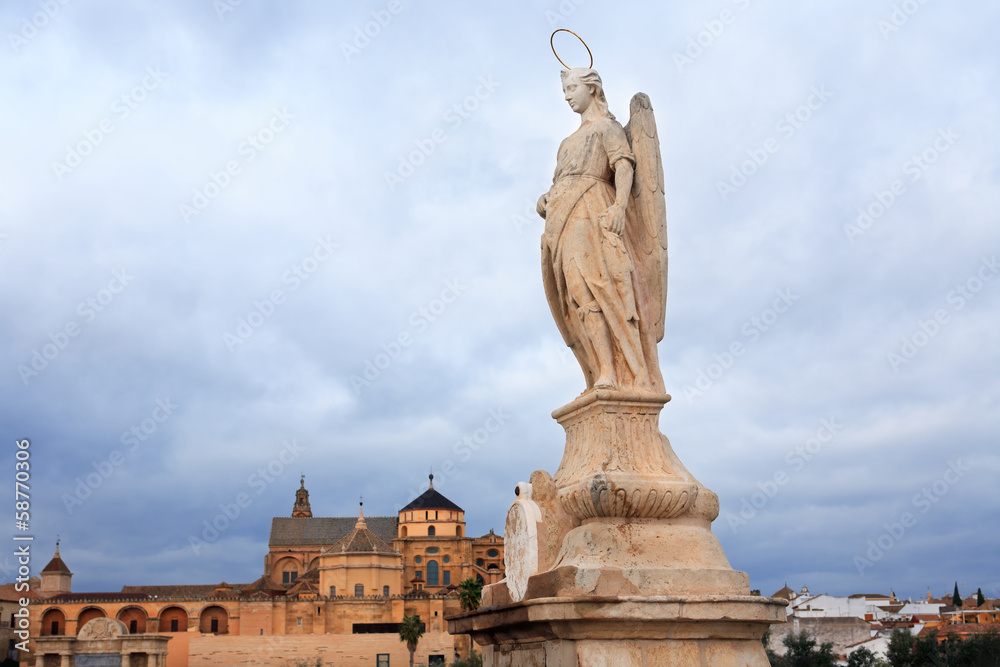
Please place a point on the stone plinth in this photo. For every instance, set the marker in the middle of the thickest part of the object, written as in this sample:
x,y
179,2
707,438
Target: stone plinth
x,y
623,631
612,560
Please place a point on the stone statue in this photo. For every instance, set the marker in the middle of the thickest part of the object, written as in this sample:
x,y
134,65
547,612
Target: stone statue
x,y
612,559
604,249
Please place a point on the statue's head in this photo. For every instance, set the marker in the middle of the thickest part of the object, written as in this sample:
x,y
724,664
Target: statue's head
x,y
583,87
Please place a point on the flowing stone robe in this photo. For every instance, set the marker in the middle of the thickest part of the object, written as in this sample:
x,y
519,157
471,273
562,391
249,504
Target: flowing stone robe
x,y
582,189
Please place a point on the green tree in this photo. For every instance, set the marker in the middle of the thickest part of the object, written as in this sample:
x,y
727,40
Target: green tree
x,y
474,660
861,657
470,594
956,599
900,651
980,600
802,652
410,631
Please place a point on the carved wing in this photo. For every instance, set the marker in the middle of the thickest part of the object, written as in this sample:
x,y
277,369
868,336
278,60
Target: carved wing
x,y
648,212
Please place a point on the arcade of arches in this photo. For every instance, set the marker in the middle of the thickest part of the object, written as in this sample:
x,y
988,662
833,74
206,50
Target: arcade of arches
x,y
355,577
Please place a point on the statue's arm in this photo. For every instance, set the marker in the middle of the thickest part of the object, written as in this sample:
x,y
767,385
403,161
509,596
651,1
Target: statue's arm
x,y
623,186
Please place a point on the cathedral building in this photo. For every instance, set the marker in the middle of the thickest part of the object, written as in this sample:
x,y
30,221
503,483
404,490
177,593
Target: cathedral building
x,y
333,589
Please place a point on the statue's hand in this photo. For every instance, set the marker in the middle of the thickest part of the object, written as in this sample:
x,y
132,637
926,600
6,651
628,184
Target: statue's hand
x,y
613,219
543,203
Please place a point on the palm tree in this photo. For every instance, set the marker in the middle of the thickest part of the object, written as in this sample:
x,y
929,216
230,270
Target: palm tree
x,y
410,631
470,594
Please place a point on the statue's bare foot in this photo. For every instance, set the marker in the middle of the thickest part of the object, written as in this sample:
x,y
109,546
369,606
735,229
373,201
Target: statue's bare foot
x,y
606,382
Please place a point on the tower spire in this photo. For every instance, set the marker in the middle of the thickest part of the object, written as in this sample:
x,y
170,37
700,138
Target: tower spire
x,y
301,507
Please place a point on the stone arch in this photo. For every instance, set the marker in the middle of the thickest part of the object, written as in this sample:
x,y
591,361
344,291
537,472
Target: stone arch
x,y
459,532
50,617
134,619
286,570
170,614
402,531
214,619
88,614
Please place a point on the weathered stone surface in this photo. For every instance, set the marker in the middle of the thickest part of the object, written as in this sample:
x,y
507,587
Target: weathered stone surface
x,y
630,628
612,560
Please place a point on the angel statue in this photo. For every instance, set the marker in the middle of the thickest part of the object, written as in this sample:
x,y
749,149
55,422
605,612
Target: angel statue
x,y
604,248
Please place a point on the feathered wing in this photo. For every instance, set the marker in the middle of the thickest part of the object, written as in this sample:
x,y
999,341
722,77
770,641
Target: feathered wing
x,y
647,219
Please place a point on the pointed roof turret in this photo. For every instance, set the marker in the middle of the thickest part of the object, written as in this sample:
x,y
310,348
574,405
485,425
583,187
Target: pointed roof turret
x,y
302,507
431,500
57,564
361,539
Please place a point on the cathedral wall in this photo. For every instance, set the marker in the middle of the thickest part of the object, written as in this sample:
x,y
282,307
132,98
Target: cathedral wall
x,y
341,650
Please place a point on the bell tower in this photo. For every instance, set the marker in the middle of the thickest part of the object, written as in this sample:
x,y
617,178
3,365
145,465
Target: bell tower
x,y
301,507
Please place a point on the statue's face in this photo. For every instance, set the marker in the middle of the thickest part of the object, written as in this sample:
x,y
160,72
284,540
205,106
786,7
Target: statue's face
x,y
577,94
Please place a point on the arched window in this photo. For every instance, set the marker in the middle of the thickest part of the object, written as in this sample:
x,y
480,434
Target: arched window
x,y
359,590
432,573
431,532
459,532
134,619
53,622
385,591
286,570
402,531
214,619
88,614
479,578
173,619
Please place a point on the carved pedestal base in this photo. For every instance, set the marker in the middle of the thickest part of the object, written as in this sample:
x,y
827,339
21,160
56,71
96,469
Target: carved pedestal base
x,y
612,560
623,631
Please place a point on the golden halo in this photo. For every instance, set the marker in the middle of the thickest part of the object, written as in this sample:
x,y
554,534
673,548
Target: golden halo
x,y
581,41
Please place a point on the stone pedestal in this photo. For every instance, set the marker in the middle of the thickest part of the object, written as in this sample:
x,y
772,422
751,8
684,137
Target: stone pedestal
x,y
612,560
623,631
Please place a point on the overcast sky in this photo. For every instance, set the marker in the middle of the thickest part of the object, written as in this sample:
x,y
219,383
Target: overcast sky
x,y
246,241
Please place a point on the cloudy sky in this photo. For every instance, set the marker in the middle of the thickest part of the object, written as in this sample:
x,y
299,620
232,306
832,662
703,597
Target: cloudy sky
x,y
247,241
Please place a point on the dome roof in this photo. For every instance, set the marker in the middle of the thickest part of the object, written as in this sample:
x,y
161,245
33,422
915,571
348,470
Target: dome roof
x,y
431,500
